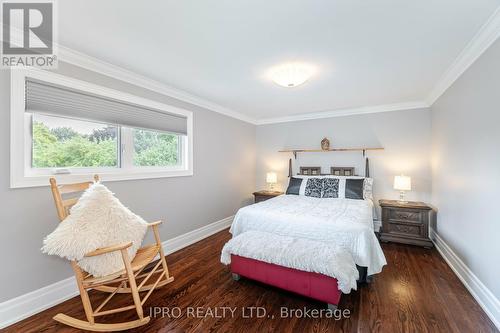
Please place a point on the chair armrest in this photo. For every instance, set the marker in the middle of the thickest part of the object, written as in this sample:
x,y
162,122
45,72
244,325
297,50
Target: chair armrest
x,y
156,231
152,224
108,249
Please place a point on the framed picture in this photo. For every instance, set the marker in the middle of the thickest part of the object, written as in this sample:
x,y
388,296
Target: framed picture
x,y
310,171
342,171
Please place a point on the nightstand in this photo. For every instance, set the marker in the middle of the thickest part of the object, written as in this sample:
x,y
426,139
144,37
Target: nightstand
x,y
265,195
406,223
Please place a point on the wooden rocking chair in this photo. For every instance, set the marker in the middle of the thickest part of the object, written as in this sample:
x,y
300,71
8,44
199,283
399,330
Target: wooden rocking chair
x,y
131,280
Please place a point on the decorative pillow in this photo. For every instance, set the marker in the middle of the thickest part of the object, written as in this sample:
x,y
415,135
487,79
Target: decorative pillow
x,y
314,187
330,188
367,189
294,186
303,184
354,188
97,220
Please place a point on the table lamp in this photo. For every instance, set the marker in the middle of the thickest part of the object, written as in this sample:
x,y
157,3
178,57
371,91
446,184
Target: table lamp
x,y
402,183
271,179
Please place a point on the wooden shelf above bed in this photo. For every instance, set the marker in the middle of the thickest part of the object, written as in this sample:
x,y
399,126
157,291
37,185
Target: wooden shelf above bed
x,y
295,151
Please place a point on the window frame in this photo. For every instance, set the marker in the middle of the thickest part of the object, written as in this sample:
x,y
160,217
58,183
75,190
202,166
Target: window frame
x,y
22,175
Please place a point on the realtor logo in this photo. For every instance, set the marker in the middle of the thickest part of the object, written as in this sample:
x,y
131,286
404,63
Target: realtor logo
x,y
28,33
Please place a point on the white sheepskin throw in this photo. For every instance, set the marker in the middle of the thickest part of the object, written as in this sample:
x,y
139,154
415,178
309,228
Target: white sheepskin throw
x,y
97,220
297,253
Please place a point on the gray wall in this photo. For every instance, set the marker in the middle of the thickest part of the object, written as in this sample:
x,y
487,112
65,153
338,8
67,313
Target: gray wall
x,y
224,178
466,167
405,135
231,158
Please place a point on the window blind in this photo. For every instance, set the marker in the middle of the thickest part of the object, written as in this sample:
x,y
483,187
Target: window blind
x,y
47,98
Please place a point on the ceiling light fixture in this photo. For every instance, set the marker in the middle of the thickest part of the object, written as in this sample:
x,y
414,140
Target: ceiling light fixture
x,y
291,74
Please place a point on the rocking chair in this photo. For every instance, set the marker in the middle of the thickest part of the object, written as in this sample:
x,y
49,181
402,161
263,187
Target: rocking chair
x,y
130,280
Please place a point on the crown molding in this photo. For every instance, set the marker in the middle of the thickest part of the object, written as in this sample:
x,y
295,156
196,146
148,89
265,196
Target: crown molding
x,y
484,38
346,112
85,61
82,60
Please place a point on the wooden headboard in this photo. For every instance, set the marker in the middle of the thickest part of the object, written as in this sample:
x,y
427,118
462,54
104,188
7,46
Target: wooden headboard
x,y
336,171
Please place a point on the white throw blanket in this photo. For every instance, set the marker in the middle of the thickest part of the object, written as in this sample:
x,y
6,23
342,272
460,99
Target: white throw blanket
x,y
344,222
296,253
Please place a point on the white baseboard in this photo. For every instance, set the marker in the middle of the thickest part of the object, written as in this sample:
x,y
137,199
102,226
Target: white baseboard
x,y
179,242
485,298
26,305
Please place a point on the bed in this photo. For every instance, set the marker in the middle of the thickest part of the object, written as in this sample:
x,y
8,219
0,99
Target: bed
x,y
339,220
345,222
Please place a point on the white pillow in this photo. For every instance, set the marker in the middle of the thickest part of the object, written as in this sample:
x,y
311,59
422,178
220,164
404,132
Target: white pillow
x,y
97,220
368,189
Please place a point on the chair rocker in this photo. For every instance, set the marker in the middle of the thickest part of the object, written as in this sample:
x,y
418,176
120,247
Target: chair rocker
x,y
134,279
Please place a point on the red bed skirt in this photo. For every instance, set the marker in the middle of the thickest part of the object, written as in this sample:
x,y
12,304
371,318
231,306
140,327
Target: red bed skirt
x,y
314,285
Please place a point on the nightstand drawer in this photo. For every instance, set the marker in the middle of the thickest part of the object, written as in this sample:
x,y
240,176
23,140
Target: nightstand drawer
x,y
405,229
406,215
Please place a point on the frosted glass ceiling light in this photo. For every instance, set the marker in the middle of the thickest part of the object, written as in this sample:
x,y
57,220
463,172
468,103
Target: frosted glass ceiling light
x,y
291,74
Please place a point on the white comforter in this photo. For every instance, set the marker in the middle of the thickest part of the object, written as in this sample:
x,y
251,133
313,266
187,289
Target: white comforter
x,y
344,222
298,253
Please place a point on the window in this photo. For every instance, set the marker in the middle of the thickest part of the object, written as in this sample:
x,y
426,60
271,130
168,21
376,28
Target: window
x,y
62,144
69,143
155,149
73,129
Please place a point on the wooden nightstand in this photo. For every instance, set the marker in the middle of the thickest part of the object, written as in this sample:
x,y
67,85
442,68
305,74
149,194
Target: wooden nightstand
x,y
265,195
406,223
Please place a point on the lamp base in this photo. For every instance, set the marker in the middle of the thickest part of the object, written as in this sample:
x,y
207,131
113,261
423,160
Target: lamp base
x,y
402,198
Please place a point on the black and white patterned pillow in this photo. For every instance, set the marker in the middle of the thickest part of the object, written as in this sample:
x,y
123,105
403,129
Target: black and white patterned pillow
x,y
314,187
330,188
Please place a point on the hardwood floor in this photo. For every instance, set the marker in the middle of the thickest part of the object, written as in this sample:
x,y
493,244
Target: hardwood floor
x,y
416,292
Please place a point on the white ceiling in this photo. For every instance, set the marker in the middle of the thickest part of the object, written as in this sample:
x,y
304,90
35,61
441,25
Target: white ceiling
x,y
367,52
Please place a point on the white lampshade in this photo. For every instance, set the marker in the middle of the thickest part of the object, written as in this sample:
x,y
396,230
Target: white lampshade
x,y
402,183
271,177
291,74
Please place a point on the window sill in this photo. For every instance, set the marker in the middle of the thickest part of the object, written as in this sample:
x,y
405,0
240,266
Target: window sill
x,y
43,180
